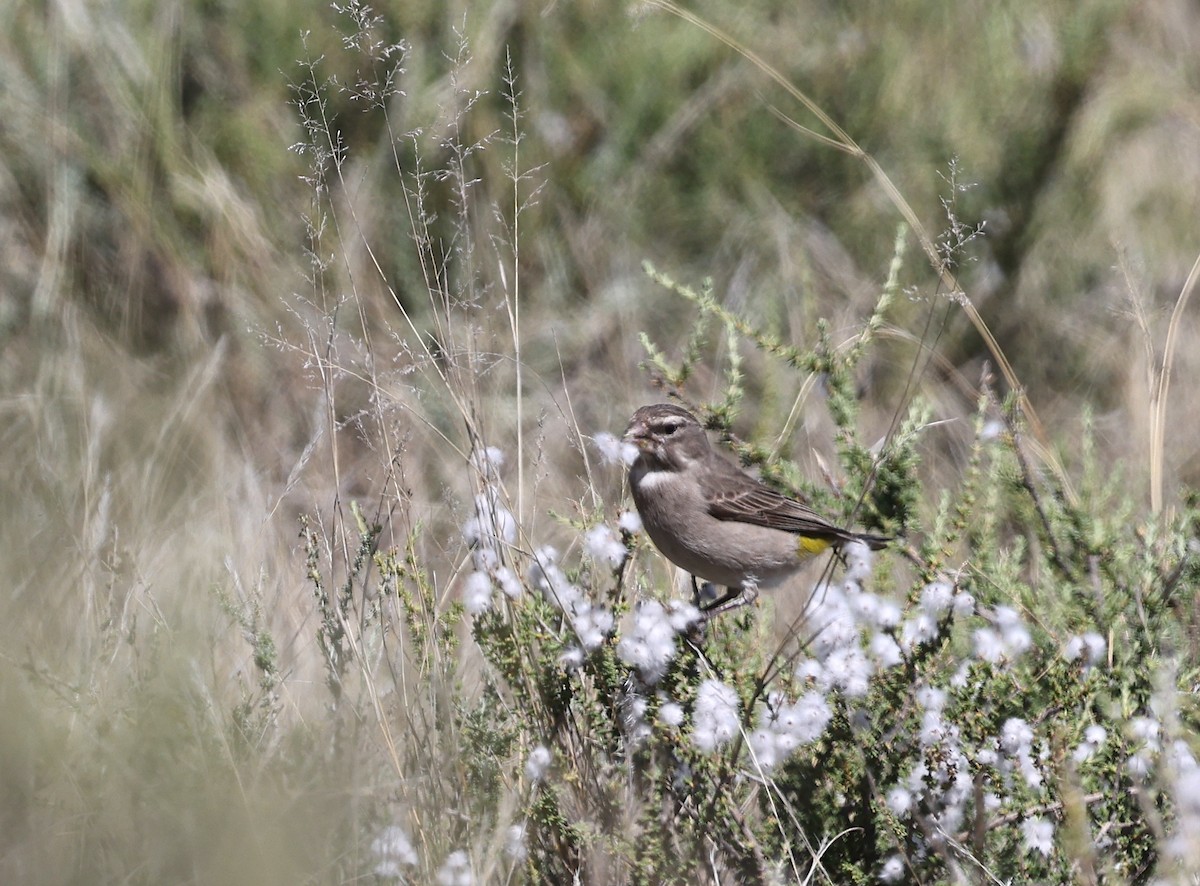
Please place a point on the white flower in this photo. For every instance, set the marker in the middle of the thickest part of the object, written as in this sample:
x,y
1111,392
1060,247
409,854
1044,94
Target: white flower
x,y
477,593
900,801
631,713
936,597
1145,729
613,450
492,524
1095,648
850,670
543,569
604,546
1089,646
392,850
947,821
592,624
456,871
538,763
933,728
1016,736
915,780
629,521
514,843
805,721
671,713
931,698
388,869
810,670
1187,795
1006,617
1013,631
649,644
858,561
1018,640
1093,737
886,650
546,576
785,743
572,658
486,557
865,606
989,646
1039,835
892,870
635,652
635,706
681,616
509,584
487,461
831,620
964,604
1139,765
963,786
715,717
888,614
764,749
1181,757
961,675
921,628
992,430
1029,769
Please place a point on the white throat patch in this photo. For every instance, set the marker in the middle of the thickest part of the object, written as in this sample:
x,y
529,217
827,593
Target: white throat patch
x,y
654,479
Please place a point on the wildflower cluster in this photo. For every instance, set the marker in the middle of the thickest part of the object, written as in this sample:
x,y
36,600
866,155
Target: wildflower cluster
x,y
393,852
715,720
932,698
839,616
649,644
455,870
1005,640
785,726
592,623
490,532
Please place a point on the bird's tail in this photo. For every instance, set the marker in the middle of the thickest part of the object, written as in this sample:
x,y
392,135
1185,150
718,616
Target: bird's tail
x,y
874,542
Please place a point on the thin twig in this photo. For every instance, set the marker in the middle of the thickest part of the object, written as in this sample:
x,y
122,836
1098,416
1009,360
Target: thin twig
x,y
1159,395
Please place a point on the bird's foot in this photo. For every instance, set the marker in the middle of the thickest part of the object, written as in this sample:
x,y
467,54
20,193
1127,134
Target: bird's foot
x,y
733,598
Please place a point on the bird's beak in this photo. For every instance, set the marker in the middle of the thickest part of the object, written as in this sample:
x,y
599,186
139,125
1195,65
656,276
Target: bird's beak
x,y
638,434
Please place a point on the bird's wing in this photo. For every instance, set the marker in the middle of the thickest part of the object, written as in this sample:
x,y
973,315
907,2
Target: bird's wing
x,y
734,496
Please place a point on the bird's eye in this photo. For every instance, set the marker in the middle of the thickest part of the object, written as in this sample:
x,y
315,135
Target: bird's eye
x,y
668,430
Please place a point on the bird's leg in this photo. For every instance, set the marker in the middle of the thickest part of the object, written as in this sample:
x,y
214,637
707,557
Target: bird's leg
x,y
733,598
708,591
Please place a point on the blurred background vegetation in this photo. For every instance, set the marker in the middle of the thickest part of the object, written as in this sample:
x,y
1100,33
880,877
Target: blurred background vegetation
x,y
162,424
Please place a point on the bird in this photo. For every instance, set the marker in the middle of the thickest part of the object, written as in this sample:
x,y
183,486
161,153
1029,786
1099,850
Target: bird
x,y
713,520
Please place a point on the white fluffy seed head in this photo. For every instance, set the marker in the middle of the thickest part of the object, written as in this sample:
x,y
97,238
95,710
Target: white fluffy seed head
x,y
537,763
715,717
613,450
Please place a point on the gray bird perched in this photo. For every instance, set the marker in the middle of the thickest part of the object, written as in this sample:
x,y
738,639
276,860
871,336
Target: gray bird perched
x,y
713,520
